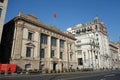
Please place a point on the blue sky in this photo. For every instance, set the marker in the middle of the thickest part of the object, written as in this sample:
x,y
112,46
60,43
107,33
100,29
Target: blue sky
x,y
70,12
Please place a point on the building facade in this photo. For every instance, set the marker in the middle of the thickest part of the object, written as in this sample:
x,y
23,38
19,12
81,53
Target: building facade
x,y
92,45
118,45
33,45
114,55
3,7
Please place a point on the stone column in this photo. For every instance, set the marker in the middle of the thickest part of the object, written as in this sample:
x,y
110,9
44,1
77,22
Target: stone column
x,y
58,48
18,41
57,55
66,58
92,60
48,52
38,48
49,47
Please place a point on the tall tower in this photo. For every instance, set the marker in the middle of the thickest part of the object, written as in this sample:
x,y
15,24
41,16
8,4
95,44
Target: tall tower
x,y
3,7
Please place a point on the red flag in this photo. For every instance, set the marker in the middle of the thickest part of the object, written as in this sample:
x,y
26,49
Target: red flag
x,y
54,15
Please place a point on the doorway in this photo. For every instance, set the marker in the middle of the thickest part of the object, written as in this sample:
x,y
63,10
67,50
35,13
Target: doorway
x,y
62,66
54,66
27,66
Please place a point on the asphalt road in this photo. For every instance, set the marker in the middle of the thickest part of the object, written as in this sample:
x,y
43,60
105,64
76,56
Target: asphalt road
x,y
95,75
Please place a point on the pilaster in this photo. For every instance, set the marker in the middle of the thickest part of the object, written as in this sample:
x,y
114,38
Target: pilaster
x,y
58,48
49,48
18,41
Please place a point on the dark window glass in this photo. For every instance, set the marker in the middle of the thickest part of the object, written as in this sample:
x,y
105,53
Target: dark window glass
x,y
28,52
96,27
61,55
80,61
96,34
2,1
61,44
0,12
43,39
96,57
53,41
42,53
70,46
30,35
70,56
52,53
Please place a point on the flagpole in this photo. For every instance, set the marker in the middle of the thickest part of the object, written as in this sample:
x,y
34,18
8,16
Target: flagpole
x,y
54,19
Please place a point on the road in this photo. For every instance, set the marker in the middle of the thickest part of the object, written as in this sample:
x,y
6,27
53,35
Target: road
x,y
95,75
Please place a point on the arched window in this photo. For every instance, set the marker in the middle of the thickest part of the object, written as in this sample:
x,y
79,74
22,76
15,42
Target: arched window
x,y
27,66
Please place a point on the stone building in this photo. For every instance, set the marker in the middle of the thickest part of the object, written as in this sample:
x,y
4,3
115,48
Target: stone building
x,y
33,45
3,7
114,55
118,45
92,45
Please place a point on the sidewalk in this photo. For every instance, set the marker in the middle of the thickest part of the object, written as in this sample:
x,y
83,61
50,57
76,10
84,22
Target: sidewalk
x,y
43,74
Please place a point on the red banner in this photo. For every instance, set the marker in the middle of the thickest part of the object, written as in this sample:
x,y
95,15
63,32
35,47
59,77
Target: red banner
x,y
8,67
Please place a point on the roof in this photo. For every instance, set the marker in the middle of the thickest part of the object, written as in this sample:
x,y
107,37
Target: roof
x,y
33,20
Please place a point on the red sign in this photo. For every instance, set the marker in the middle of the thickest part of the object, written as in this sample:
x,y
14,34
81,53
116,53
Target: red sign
x,y
8,67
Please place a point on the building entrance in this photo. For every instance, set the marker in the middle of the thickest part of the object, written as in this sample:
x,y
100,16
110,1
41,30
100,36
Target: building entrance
x,y
54,66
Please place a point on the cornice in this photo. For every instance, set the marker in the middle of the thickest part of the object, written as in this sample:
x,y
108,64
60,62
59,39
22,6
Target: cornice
x,y
39,24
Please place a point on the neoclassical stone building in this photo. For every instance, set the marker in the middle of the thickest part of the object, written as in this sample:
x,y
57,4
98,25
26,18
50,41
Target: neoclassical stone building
x,y
114,55
92,45
33,45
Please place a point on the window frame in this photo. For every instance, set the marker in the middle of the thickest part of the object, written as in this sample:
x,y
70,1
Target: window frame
x,y
61,43
52,53
30,36
61,55
28,51
80,61
44,39
53,41
42,53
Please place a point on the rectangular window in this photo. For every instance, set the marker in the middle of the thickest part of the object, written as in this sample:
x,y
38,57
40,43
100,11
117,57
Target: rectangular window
x,y
61,44
80,61
52,53
61,55
44,39
70,46
53,41
71,56
30,35
1,1
96,57
0,12
28,52
79,52
42,53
